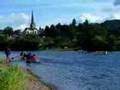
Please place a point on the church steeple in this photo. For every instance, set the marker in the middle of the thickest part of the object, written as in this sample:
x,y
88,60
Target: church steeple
x,y
32,25
32,28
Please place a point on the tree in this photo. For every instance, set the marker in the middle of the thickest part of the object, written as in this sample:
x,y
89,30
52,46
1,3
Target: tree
x,y
72,29
17,32
86,22
74,22
8,30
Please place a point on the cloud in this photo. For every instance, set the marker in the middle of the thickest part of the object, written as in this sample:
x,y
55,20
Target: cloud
x,y
15,20
117,2
92,18
22,27
114,16
99,18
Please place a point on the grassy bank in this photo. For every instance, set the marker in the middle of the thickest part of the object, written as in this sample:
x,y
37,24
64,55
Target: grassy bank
x,y
16,78
12,78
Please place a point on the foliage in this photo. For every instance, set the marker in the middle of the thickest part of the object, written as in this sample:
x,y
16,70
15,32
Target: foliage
x,y
8,30
12,78
86,36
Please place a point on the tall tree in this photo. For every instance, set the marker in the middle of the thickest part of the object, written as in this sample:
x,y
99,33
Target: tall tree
x,y
8,30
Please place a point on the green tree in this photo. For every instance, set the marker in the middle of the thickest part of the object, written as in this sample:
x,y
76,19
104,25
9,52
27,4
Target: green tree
x,y
8,30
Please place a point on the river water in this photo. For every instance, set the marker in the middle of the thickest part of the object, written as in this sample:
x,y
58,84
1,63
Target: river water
x,y
70,70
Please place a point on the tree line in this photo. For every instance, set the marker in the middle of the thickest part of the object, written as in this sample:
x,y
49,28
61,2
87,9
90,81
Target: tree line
x,y
74,36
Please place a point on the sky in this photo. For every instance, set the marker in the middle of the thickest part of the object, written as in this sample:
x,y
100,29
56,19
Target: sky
x,y
17,13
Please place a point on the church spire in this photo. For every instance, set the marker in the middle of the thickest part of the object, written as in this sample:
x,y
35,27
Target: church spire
x,y
32,25
32,28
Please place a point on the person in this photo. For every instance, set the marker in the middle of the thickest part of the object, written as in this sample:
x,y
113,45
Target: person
x,y
22,55
34,58
7,54
28,58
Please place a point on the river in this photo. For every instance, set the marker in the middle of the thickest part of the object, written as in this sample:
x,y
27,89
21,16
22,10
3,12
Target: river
x,y
70,70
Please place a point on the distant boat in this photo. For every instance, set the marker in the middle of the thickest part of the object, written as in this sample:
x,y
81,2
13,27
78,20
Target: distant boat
x,y
101,52
106,52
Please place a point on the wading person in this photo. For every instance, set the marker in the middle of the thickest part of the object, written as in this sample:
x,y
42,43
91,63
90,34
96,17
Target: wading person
x,y
34,59
23,55
28,59
7,54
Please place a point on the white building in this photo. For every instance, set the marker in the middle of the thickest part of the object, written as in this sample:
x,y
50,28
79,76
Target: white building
x,y
32,28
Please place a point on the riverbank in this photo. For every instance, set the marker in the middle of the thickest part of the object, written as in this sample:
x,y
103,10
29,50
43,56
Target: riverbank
x,y
35,81
16,78
36,84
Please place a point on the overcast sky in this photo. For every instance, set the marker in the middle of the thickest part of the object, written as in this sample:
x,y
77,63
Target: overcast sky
x,y
16,13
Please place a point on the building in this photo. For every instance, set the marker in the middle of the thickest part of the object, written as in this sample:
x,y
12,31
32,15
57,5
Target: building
x,y
32,28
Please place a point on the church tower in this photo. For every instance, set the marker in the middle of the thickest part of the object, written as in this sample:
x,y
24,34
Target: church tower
x,y
32,28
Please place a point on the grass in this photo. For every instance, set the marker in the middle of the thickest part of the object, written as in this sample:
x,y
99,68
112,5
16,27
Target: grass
x,y
12,78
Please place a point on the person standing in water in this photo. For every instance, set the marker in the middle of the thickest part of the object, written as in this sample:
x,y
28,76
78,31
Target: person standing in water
x,y
7,54
34,59
28,59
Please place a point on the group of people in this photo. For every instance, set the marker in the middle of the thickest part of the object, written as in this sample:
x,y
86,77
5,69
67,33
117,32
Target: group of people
x,y
25,56
28,57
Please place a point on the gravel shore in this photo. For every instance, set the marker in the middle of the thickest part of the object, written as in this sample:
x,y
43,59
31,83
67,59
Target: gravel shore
x,y
34,83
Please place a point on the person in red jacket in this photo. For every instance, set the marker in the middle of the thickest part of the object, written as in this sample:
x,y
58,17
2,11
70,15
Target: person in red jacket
x,y
34,58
